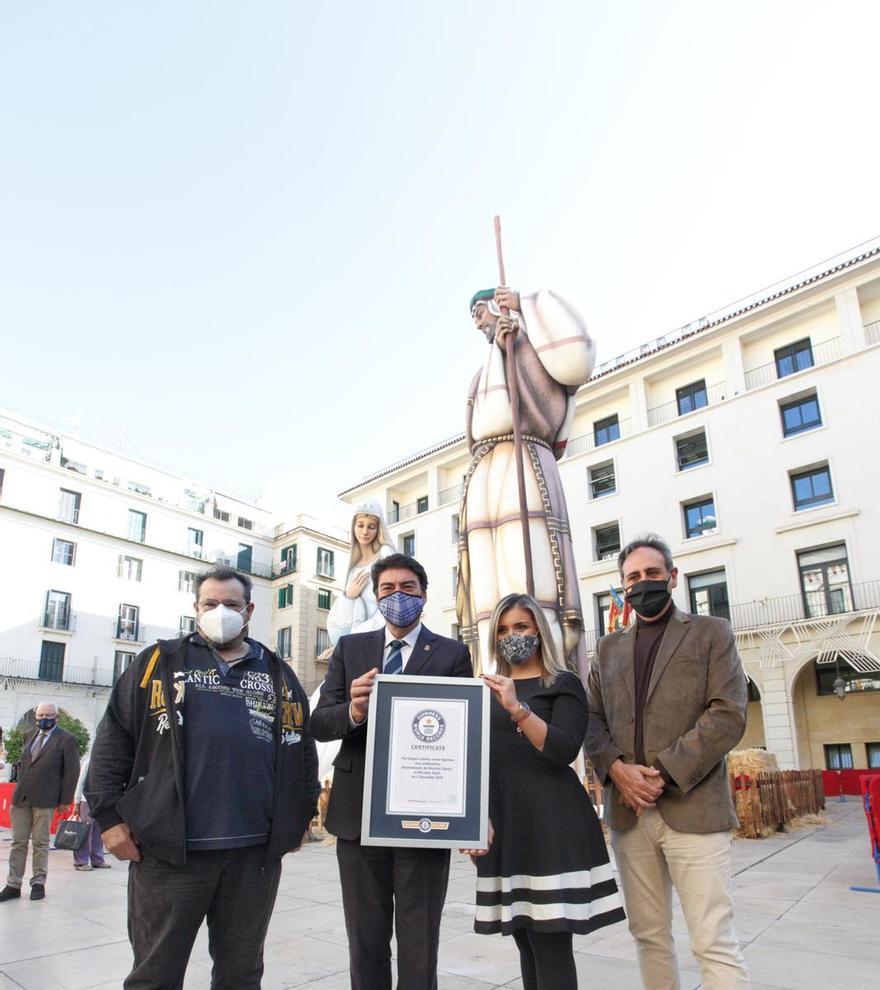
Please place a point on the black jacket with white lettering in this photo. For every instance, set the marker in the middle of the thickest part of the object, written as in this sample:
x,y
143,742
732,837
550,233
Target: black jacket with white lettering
x,y
136,773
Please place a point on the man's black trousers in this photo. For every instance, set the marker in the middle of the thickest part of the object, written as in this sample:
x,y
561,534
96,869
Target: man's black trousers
x,y
385,887
233,888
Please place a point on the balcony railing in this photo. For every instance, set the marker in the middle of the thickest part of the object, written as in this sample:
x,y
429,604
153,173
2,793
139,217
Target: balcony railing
x,y
669,411
872,332
450,495
127,631
765,374
30,670
812,605
407,511
587,441
68,516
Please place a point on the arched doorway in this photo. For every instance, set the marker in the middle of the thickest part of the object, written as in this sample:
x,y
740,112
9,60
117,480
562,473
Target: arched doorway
x,y
837,730
753,737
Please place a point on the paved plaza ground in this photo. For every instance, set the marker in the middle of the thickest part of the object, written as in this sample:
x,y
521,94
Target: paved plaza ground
x,y
800,924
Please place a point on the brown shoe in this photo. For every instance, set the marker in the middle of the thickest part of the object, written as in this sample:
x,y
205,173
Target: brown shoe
x,y
38,891
9,893
102,866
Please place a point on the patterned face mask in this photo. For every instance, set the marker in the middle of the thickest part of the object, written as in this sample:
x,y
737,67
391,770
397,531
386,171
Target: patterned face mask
x,y
401,609
516,649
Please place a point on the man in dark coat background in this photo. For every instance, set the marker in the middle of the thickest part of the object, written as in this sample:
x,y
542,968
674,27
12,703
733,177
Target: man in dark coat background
x,y
46,783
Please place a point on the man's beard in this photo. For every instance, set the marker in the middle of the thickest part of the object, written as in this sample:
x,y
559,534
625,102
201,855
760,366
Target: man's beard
x,y
488,333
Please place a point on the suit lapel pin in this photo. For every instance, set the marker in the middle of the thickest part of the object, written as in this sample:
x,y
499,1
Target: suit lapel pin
x,y
427,648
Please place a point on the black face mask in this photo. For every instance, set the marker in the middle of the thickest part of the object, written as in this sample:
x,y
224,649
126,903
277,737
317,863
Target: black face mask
x,y
649,598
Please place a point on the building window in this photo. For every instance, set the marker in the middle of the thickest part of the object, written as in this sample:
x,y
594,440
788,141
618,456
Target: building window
x,y
68,506
873,753
63,552
324,599
283,643
187,625
691,450
606,540
855,682
394,515
121,662
422,504
799,415
793,357
137,487
811,488
322,642
57,614
691,397
137,525
409,544
825,583
128,623
129,568
245,557
454,581
220,514
606,430
326,566
708,594
455,529
245,523
285,596
195,539
602,480
186,581
838,756
603,607
288,559
51,662
699,518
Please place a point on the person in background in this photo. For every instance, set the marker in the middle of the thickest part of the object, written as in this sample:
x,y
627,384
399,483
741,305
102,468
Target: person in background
x,y
90,855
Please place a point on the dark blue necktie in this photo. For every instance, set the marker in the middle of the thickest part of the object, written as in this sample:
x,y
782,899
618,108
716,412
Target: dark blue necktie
x,y
394,663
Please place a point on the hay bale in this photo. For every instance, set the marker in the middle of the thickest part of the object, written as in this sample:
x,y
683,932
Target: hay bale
x,y
751,761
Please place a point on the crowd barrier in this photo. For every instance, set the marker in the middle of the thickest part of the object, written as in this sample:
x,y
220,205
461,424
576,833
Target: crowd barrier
x,y
767,800
842,782
6,791
870,785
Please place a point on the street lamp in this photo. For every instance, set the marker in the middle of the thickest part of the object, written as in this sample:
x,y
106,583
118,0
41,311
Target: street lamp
x,y
839,684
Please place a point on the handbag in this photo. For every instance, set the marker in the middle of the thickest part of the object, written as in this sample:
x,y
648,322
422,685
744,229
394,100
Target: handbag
x,y
71,834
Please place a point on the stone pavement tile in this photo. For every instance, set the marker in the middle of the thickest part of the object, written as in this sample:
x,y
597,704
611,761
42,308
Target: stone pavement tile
x,y
321,921
490,958
822,935
769,907
756,883
808,970
73,970
623,947
298,961
41,933
619,974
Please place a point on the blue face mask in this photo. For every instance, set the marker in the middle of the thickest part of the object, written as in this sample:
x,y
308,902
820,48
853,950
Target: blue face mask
x,y
46,723
401,609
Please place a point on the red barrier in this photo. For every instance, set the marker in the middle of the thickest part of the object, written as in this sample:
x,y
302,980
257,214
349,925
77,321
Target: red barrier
x,y
6,791
837,782
871,800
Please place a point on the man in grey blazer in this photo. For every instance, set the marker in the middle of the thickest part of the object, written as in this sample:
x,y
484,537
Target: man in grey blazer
x,y
667,702
384,887
46,783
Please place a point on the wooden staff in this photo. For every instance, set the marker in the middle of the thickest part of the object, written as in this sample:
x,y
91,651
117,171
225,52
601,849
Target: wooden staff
x,y
513,393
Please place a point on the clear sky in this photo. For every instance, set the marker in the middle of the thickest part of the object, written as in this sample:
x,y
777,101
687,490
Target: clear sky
x,y
246,233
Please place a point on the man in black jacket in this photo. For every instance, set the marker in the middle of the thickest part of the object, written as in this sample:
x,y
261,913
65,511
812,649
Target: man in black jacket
x,y
46,782
379,882
204,774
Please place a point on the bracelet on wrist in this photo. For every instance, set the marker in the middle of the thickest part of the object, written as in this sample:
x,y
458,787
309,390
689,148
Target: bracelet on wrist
x,y
520,715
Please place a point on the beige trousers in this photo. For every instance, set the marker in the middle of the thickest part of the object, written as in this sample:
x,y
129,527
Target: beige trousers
x,y
652,858
29,824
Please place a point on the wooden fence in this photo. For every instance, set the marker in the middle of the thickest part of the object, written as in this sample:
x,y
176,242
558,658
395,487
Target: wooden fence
x,y
767,800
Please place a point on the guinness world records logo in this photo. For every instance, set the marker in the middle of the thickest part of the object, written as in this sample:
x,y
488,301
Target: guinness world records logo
x,y
428,725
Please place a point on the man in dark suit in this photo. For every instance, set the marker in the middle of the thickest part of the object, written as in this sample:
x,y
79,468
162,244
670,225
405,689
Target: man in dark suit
x,y
379,883
46,782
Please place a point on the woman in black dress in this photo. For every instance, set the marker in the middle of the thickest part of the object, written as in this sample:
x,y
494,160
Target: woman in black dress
x,y
547,874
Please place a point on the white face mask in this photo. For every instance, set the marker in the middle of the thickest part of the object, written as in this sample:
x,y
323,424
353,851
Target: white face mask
x,y
221,624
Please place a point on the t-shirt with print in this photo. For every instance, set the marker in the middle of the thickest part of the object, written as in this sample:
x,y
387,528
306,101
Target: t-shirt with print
x,y
229,741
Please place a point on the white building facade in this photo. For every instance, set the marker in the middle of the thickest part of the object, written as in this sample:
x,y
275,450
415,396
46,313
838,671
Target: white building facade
x,y
99,553
747,441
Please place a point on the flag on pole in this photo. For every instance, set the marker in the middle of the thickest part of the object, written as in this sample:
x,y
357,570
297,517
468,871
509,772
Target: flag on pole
x,y
619,613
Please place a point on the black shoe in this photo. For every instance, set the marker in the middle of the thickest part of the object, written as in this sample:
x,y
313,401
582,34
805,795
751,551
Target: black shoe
x,y
10,893
38,891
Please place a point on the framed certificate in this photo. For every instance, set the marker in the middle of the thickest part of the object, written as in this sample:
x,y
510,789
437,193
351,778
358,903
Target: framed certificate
x,y
426,778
